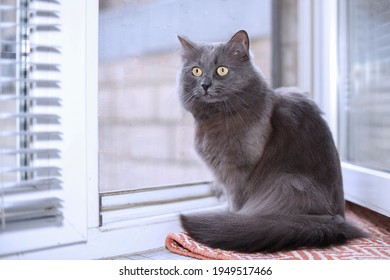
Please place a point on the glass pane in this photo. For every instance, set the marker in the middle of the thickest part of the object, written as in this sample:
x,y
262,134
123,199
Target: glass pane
x,y
365,98
145,137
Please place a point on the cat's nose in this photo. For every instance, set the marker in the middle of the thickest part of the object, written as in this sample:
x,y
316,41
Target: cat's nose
x,y
205,86
205,83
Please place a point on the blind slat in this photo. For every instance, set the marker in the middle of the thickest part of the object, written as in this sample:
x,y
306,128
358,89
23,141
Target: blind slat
x,y
27,210
31,11
39,135
45,151
32,65
34,183
40,117
39,100
53,169
30,81
12,215
32,27
35,47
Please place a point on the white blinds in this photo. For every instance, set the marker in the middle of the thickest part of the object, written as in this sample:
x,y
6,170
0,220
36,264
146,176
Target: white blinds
x,y
30,114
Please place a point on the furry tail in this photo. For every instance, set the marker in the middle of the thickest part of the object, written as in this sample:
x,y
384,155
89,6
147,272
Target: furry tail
x,y
269,233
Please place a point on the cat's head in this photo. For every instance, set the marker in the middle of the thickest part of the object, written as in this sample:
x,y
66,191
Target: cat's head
x,y
216,75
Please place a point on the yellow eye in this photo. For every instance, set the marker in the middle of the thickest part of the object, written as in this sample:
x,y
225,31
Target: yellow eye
x,y
197,72
222,70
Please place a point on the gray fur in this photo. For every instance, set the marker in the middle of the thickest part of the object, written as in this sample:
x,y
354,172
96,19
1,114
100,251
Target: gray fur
x,y
270,150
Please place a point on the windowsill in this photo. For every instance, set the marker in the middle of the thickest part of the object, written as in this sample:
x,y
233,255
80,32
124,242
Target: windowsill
x,y
122,237
368,188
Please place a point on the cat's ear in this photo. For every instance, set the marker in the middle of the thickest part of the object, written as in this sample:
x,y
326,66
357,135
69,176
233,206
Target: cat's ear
x,y
188,46
241,37
240,44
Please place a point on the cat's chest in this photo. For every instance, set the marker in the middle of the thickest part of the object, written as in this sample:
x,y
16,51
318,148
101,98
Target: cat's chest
x,y
222,148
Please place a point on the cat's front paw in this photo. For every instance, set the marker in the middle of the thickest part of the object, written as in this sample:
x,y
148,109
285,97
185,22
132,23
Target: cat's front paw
x,y
218,191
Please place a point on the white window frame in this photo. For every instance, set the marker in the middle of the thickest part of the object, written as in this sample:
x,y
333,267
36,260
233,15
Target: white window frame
x,y
318,28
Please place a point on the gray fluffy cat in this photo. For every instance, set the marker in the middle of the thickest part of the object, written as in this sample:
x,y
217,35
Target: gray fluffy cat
x,y
271,151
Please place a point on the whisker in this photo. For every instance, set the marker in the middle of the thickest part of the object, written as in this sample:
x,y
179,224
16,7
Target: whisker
x,y
220,89
188,98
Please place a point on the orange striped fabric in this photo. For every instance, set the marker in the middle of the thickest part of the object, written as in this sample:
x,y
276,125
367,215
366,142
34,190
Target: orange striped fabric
x,y
377,246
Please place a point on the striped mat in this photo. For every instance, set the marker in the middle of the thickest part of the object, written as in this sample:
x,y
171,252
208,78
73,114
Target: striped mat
x,y
377,246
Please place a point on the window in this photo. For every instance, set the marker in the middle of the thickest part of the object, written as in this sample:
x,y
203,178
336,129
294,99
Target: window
x,y
364,101
146,154
42,125
30,116
366,94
